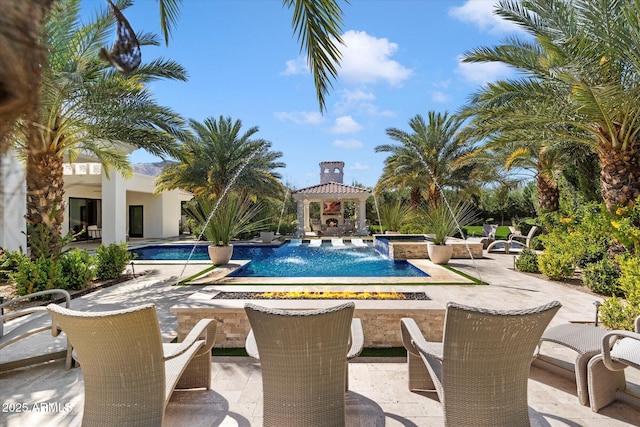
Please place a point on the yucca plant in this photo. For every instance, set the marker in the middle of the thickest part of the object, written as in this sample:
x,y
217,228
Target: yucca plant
x,y
394,214
440,222
235,215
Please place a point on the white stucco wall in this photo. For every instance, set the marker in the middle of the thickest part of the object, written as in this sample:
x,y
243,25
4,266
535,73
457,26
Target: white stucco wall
x,y
161,213
13,201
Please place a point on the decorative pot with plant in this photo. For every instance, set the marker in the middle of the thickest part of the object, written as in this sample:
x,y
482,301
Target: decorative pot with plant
x,y
233,216
441,222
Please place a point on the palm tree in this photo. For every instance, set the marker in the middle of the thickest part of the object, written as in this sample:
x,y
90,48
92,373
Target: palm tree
x,y
216,155
317,24
517,144
425,159
85,108
584,54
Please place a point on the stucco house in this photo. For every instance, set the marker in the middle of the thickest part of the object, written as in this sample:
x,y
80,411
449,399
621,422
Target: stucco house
x,y
114,209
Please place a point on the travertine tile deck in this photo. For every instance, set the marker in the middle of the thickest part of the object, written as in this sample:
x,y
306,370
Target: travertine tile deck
x,y
47,395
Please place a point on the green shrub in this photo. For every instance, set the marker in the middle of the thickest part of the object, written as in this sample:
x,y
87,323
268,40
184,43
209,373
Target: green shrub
x,y
527,261
77,267
555,265
39,275
617,313
602,277
111,260
9,262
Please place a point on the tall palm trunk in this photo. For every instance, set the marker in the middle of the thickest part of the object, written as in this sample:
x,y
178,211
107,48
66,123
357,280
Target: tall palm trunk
x,y
45,196
548,193
620,175
22,58
415,196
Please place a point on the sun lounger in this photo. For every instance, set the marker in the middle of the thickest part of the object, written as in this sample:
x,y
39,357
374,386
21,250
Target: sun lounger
x,y
315,243
358,242
337,241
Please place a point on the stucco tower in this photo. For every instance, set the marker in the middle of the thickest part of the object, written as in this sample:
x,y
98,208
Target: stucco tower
x,y
331,172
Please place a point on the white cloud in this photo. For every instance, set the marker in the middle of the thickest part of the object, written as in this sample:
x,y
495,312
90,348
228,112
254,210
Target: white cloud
x,y
367,59
359,167
296,66
361,102
301,117
483,72
444,84
440,97
345,124
347,144
353,96
480,13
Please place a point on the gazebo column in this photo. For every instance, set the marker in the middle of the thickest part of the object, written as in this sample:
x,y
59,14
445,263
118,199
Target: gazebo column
x,y
306,227
301,221
362,217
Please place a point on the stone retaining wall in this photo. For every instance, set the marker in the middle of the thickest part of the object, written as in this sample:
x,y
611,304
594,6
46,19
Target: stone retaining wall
x,y
381,326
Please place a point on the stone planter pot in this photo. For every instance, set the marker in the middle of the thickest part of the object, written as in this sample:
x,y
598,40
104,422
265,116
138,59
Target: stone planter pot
x,y
439,254
220,255
266,236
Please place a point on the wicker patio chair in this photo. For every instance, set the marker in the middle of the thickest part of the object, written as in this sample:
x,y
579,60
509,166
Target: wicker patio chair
x,y
518,238
607,382
129,374
303,358
585,340
25,322
481,368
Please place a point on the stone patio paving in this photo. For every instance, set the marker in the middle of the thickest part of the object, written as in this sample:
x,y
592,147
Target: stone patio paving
x,y
47,395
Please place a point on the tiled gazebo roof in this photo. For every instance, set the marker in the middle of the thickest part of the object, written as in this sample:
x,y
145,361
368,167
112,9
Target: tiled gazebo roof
x,y
332,188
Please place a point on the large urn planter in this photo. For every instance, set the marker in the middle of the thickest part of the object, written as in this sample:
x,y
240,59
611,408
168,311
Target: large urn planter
x,y
220,255
439,254
267,236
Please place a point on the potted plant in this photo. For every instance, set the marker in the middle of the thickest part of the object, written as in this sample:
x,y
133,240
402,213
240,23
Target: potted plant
x,y
222,222
440,222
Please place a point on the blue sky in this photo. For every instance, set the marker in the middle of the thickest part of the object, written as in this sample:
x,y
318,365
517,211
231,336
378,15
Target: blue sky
x,y
402,58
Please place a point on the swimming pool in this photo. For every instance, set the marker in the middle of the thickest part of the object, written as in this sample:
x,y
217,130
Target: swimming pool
x,y
295,260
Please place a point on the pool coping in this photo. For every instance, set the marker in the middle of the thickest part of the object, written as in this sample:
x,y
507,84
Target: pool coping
x,y
437,275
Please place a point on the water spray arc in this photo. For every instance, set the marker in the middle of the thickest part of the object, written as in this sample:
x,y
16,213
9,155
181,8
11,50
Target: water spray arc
x,y
446,202
215,207
284,204
375,202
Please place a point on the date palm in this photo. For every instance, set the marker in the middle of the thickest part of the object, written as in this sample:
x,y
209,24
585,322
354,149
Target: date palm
x,y
584,52
217,154
86,108
424,160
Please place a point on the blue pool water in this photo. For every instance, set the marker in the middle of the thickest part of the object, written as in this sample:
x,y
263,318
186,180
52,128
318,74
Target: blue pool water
x,y
295,261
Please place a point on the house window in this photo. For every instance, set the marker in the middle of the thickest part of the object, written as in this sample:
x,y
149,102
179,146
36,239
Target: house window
x,y
84,212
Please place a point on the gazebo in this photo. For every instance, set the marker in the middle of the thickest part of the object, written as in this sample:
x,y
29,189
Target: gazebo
x,y
330,194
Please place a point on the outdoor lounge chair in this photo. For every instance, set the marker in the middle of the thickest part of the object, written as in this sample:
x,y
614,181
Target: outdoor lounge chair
x,y
303,357
585,340
481,368
93,232
518,238
607,382
315,242
28,321
337,241
488,235
129,373
358,242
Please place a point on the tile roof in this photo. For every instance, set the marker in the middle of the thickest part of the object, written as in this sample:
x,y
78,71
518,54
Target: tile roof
x,y
331,188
